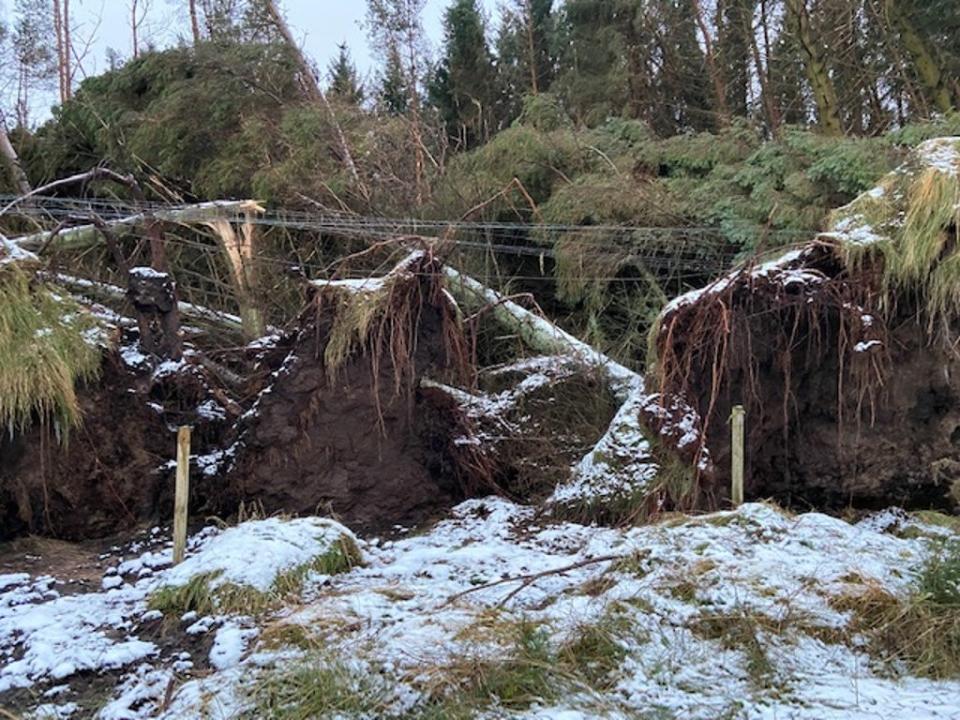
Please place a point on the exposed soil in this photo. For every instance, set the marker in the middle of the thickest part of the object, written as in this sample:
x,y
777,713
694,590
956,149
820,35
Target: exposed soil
x,y
111,472
842,408
101,478
339,446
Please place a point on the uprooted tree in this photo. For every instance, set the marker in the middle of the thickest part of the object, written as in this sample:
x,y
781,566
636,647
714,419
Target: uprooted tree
x,y
843,351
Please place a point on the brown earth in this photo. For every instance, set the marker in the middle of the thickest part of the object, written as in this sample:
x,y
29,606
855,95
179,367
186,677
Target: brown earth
x,y
827,426
373,458
109,473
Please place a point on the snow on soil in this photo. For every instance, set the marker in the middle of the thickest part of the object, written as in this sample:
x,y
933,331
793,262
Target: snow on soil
x,y
425,602
49,636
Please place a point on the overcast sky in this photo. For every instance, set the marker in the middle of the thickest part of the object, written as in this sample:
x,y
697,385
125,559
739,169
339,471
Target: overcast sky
x,y
319,24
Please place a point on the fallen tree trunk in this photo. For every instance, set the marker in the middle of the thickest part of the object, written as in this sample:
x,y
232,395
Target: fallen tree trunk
x,y
542,335
184,215
618,472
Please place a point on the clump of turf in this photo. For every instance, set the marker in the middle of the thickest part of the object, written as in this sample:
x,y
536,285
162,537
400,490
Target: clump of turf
x,y
203,595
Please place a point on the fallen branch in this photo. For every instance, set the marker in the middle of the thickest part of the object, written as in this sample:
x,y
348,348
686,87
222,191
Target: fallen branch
x,y
528,580
98,173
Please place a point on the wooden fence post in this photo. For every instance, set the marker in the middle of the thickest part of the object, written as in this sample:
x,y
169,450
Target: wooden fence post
x,y
736,454
180,505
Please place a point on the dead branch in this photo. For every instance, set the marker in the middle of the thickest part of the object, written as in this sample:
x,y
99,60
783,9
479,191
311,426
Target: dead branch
x,y
528,580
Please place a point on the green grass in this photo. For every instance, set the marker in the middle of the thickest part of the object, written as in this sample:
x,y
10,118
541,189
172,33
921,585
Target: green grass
x,y
316,688
43,353
920,631
940,578
202,596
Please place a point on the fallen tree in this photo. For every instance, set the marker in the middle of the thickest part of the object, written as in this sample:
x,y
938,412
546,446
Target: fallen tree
x,y
341,424
843,352
617,478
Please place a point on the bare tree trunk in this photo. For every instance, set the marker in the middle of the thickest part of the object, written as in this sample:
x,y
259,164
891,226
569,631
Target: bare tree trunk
x,y
311,89
23,97
416,126
531,49
824,92
58,29
719,88
770,105
67,51
929,70
12,161
133,28
195,22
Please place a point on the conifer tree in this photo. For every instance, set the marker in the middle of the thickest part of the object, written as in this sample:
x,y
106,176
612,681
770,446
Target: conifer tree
x,y
463,87
526,62
392,94
342,74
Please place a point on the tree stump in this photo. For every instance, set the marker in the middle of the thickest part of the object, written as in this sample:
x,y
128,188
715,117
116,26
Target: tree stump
x,y
154,297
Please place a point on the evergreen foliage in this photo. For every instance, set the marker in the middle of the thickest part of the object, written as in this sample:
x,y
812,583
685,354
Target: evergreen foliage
x,y
344,82
463,87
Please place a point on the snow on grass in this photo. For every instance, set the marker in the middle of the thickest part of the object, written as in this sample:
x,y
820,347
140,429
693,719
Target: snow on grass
x,y
425,603
941,154
727,615
45,636
254,553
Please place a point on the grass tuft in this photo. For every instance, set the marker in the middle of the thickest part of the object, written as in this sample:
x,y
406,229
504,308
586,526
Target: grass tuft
x,y
44,352
920,631
201,596
316,688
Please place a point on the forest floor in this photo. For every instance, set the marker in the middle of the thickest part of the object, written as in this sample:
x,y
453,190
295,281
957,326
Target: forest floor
x,y
494,612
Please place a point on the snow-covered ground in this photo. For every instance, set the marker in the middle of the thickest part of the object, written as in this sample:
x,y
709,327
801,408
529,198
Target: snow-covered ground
x,y
426,602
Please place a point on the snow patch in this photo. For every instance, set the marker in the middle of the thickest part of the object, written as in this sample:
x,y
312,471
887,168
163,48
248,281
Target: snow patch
x,y
254,553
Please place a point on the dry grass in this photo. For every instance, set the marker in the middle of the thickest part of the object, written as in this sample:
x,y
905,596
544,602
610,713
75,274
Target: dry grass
x,y
316,687
534,668
920,631
44,353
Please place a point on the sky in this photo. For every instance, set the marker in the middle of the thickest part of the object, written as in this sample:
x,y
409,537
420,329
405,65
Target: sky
x,y
320,25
